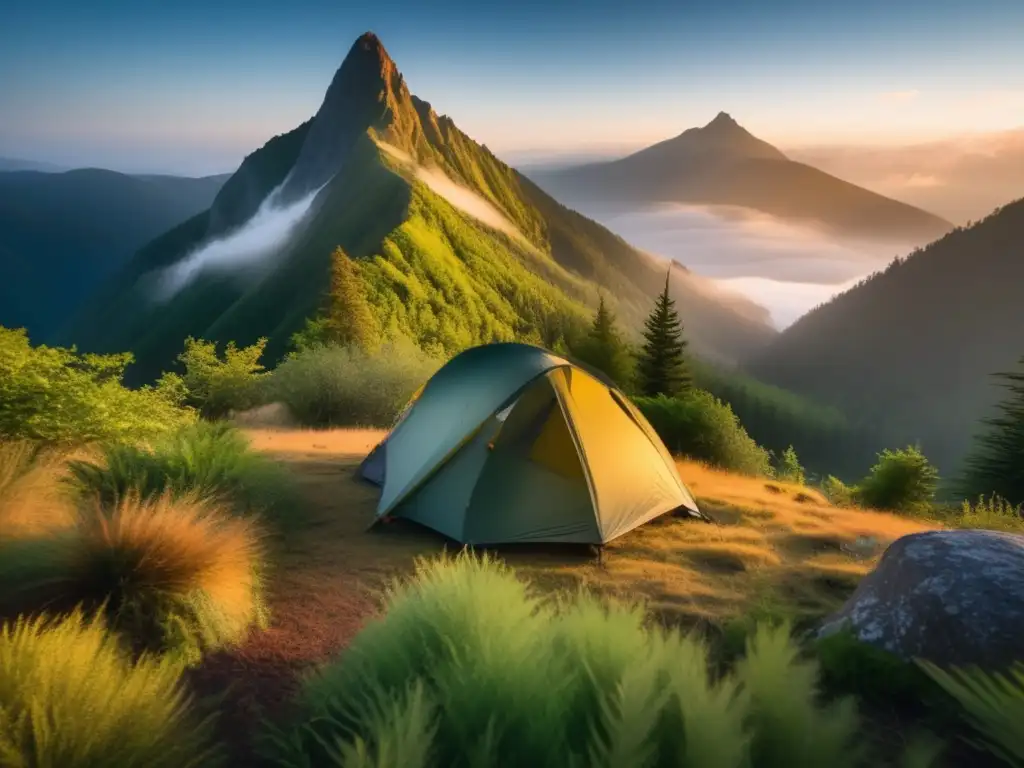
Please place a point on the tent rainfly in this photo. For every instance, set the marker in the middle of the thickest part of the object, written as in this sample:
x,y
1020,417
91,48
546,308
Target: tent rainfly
x,y
510,443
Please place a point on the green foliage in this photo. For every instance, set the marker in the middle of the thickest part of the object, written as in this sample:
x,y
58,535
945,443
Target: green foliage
x,y
700,426
661,365
217,386
604,349
789,468
901,481
468,664
72,698
994,704
208,460
339,386
349,321
996,465
59,396
838,492
176,576
992,513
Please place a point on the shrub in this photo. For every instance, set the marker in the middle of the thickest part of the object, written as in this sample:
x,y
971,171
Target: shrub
x,y
205,460
342,386
837,492
993,513
73,698
702,427
902,481
217,386
59,396
174,576
468,664
31,497
788,468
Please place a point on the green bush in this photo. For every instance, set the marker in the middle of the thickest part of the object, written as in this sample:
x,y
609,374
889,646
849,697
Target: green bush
x,y
700,426
788,468
901,481
59,396
468,665
341,386
176,576
71,698
218,385
207,460
838,493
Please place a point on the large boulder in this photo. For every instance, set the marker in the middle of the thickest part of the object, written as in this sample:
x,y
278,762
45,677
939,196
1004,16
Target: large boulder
x,y
951,597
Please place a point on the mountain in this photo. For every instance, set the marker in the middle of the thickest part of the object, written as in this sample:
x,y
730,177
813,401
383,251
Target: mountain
x,y
909,351
454,247
63,234
18,164
723,164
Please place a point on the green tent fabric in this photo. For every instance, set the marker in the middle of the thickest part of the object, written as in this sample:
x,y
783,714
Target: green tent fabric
x,y
510,443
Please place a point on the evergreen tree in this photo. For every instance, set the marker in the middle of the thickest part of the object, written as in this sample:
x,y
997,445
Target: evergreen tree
x,y
349,320
661,368
604,349
996,465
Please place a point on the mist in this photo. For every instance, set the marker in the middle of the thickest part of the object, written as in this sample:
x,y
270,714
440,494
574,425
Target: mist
x,y
253,244
785,267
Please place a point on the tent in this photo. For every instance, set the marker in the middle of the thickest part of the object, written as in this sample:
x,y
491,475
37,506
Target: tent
x,y
510,443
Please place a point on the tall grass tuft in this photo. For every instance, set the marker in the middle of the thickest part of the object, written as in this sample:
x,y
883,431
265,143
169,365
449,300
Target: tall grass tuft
x,y
70,697
177,576
31,500
206,460
992,513
994,705
468,667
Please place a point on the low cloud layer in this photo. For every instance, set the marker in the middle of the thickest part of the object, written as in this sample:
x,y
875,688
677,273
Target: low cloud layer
x,y
254,243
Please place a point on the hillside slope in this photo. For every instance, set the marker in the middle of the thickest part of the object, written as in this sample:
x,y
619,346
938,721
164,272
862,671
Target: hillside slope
x,y
455,247
910,349
723,164
63,234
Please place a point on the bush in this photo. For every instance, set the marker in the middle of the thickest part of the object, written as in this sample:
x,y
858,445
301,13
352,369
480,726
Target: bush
x,y
468,664
789,469
175,576
838,492
59,396
217,386
328,386
31,498
72,698
901,481
203,460
700,426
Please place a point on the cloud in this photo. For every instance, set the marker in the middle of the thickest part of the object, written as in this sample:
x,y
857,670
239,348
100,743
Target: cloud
x,y
898,97
914,181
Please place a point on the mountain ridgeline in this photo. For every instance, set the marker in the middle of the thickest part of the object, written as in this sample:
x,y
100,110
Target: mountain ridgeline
x,y
910,350
724,164
453,246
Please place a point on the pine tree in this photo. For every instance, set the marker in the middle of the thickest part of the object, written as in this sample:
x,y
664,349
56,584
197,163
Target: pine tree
x,y
604,349
661,368
349,320
996,465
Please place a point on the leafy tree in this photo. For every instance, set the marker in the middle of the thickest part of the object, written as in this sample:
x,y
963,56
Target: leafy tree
x,y
789,468
604,349
661,367
349,320
216,385
903,481
996,465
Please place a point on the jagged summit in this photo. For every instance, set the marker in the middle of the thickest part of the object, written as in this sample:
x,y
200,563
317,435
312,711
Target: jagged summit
x,y
722,120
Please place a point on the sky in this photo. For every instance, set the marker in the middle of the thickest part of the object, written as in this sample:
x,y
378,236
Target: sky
x,y
191,87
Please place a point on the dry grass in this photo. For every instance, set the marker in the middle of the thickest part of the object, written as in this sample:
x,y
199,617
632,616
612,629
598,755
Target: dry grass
x,y
31,497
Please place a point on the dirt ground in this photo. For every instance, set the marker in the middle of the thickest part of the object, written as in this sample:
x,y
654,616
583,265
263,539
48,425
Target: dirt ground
x,y
775,549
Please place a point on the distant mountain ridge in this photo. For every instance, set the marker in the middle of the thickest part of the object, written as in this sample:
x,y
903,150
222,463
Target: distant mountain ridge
x,y
63,233
724,164
404,192
909,351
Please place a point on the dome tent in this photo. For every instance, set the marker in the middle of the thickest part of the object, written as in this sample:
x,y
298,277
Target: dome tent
x,y
510,443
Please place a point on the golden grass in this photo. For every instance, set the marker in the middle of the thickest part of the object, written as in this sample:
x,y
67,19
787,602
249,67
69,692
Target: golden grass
x,y
31,496
776,546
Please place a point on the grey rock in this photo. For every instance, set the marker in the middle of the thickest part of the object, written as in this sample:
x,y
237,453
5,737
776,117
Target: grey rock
x,y
951,597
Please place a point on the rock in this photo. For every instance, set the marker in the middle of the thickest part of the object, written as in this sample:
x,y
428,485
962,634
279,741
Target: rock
x,y
951,597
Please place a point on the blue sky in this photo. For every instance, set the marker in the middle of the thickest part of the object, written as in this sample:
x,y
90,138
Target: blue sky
x,y
191,87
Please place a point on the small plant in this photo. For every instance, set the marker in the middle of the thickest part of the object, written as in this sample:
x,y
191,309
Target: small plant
x,y
837,492
73,698
218,385
992,513
901,481
788,468
204,460
700,426
170,575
